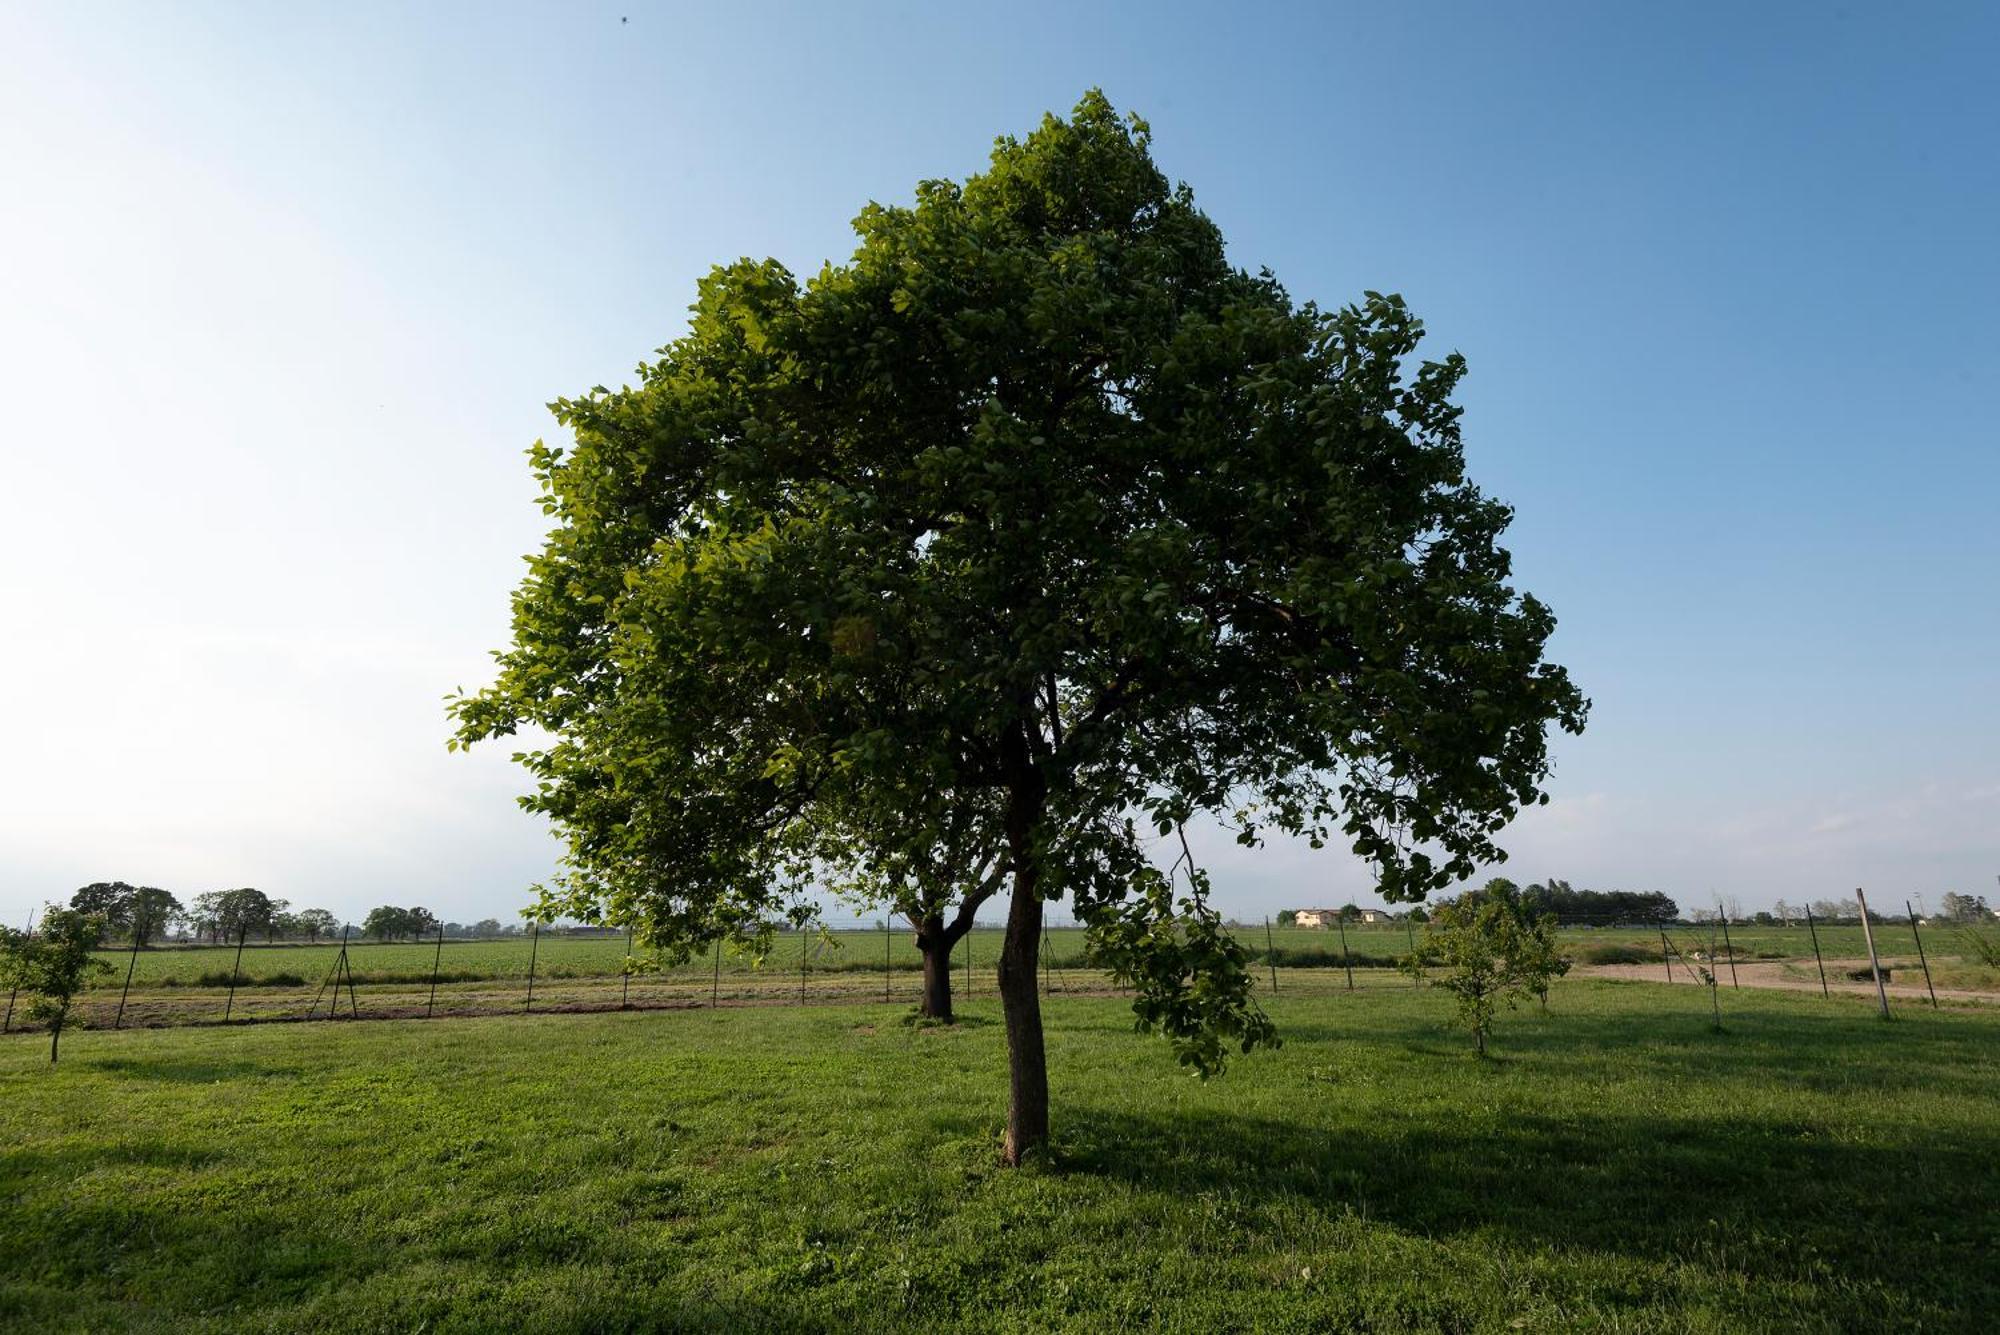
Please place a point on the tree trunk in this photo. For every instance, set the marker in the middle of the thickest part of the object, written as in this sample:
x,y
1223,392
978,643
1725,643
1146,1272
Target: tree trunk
x,y
55,1034
934,944
1021,999
1020,991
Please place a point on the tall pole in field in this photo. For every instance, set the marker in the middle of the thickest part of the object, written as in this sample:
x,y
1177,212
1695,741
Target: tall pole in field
x,y
1821,960
1340,921
1270,952
715,988
1874,964
437,958
534,949
234,969
1921,959
887,943
1667,952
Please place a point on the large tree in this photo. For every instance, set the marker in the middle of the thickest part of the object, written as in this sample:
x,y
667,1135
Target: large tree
x,y
143,911
224,914
1039,503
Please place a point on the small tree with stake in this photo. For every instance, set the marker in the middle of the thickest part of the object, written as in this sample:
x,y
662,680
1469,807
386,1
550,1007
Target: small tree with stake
x,y
52,965
1484,948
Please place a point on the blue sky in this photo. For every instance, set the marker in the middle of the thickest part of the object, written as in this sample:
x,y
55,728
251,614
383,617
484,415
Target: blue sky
x,y
286,289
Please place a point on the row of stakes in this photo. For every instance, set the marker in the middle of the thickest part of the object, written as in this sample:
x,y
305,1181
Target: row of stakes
x,y
342,971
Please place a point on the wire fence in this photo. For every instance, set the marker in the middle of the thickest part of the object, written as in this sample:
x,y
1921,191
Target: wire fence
x,y
556,970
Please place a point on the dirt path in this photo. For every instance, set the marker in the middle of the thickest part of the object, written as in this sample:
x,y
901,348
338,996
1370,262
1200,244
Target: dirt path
x,y
1789,975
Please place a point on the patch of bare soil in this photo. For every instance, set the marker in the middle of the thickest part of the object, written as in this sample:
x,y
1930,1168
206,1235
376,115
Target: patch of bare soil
x,y
1792,976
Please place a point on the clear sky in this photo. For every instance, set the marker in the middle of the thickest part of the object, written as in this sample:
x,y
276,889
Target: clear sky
x,y
285,289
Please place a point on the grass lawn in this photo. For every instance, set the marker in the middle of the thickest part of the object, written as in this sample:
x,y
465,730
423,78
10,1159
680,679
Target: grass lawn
x,y
831,1167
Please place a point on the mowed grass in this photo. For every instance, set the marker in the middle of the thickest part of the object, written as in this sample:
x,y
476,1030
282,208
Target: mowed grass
x,y
833,1168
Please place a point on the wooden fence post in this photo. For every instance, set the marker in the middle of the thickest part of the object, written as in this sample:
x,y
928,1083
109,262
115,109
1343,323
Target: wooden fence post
x,y
1817,957
534,950
625,996
235,969
437,958
1874,964
8,1023
138,935
1921,958
1726,945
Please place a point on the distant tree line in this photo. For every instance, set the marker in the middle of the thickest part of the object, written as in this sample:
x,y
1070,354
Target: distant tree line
x,y
148,915
1572,905
145,914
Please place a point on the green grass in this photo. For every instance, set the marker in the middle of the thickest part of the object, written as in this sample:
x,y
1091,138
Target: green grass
x,y
1618,1167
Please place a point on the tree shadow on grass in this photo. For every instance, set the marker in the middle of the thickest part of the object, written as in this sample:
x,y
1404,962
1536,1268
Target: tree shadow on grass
x,y
1776,1204
1801,1047
181,1070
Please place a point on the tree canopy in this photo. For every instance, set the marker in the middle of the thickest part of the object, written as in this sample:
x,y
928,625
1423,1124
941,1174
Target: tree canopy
x,y
1038,505
141,910
388,921
222,914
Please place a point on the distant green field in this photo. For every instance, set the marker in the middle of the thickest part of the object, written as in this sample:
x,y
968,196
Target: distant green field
x,y
565,957
1618,1167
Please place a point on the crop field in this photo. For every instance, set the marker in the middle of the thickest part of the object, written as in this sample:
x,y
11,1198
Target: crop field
x,y
835,1167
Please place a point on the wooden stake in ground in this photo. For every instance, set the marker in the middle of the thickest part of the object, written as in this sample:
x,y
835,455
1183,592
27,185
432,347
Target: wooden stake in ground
x,y
437,958
1728,946
1817,957
625,995
1270,952
1340,921
235,969
534,949
138,935
1921,958
8,1023
1874,964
